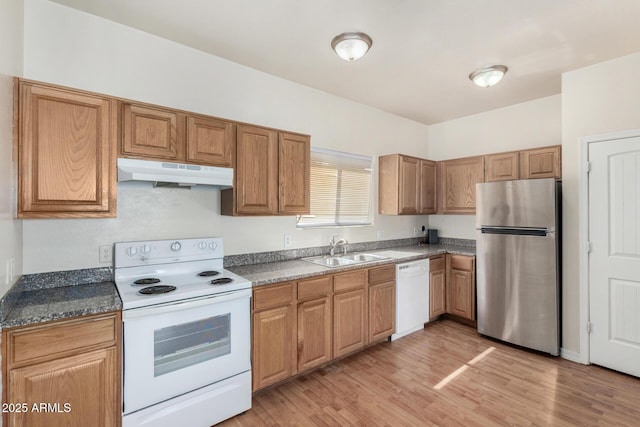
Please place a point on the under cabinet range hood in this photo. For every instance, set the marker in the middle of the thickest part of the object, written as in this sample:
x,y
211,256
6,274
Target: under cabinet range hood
x,y
174,174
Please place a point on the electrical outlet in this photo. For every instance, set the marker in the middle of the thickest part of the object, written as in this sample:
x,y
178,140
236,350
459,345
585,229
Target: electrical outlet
x,y
380,235
8,279
287,240
416,231
106,254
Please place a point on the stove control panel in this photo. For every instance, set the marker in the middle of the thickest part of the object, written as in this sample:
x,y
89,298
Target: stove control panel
x,y
133,254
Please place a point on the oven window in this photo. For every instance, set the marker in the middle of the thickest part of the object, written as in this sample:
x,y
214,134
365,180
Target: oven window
x,y
180,346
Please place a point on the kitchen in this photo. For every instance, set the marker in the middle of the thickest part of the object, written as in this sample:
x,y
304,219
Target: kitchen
x,y
596,99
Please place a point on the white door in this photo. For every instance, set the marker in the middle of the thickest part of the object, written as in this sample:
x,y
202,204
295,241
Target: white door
x,y
614,261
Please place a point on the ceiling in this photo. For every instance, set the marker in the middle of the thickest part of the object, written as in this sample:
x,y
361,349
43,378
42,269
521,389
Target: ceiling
x,y
423,50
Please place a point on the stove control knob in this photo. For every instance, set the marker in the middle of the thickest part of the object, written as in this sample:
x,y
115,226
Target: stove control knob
x,y
175,246
213,245
202,245
131,251
145,249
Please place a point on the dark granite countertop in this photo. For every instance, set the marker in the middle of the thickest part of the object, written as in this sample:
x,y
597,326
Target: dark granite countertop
x,y
44,297
281,271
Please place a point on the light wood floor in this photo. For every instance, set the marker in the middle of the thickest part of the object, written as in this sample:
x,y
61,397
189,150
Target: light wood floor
x,y
401,384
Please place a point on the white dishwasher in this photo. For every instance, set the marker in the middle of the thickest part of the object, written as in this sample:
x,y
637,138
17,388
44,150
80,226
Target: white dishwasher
x,y
412,297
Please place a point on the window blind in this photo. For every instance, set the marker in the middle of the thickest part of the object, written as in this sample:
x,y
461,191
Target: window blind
x,y
340,189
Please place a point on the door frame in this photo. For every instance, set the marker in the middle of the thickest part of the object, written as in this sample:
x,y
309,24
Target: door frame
x,y
584,356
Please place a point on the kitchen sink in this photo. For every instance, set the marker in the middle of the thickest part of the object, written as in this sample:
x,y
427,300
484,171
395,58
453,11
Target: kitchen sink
x,y
342,260
364,257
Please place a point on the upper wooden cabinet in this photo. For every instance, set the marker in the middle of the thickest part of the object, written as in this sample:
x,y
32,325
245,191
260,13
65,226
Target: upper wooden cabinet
x,y
543,162
272,174
428,201
210,141
458,180
66,152
163,134
501,166
406,185
150,132
294,166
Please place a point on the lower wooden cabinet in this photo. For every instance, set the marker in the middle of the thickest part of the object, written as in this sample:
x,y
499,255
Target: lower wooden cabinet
x,y
70,370
382,302
461,286
437,287
349,312
274,334
300,325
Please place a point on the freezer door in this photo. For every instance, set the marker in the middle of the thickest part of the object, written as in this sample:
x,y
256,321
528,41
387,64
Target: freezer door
x,y
522,203
517,289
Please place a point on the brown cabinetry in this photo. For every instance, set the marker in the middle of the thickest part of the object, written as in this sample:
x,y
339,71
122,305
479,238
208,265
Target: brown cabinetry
x,y
349,312
72,364
163,134
274,334
331,316
272,173
501,166
314,322
461,286
437,286
543,162
458,180
66,152
382,302
406,185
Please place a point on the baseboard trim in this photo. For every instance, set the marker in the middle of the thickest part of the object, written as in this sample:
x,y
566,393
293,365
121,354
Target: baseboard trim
x,y
571,355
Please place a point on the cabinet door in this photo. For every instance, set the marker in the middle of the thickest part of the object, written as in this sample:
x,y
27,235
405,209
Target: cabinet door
x,y
541,163
501,167
436,287
273,345
458,180
349,320
210,141
314,333
382,311
461,295
427,187
409,182
256,170
85,382
294,174
67,143
151,133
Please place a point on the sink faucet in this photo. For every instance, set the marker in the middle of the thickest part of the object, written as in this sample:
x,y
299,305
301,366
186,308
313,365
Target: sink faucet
x,y
334,244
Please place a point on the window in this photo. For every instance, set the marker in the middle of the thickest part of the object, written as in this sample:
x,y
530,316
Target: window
x,y
340,189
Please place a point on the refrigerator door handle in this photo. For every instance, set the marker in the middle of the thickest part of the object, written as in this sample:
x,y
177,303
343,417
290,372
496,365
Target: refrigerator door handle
x,y
517,231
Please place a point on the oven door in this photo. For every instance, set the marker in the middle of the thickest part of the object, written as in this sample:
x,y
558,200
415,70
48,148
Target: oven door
x,y
175,348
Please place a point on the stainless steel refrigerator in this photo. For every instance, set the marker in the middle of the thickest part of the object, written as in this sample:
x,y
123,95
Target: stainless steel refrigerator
x,y
517,261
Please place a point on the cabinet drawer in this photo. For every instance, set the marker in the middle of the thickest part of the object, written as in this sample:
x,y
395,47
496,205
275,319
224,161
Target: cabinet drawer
x,y
386,273
273,296
436,263
462,262
348,281
61,338
314,288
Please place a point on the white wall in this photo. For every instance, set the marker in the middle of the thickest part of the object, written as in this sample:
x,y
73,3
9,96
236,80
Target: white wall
x,y
10,65
598,99
71,48
531,124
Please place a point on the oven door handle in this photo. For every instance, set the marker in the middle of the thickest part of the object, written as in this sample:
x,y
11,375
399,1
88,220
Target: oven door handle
x,y
186,304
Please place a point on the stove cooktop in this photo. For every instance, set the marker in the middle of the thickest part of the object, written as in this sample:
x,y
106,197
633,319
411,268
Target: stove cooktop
x,y
164,271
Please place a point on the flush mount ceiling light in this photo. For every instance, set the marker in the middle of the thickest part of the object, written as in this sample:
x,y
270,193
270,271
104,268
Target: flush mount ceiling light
x,y
351,46
488,76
